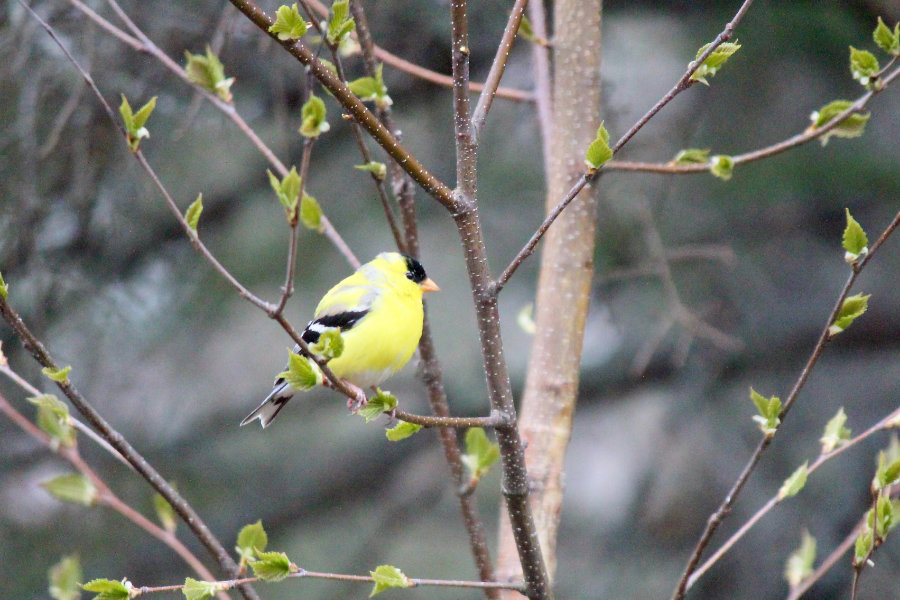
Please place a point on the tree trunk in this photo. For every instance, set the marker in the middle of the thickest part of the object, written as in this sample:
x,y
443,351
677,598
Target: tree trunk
x,y
564,285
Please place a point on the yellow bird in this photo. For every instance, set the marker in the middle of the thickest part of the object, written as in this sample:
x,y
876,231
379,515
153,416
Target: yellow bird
x,y
379,312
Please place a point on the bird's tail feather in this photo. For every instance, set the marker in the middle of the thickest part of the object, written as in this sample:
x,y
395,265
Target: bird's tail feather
x,y
270,407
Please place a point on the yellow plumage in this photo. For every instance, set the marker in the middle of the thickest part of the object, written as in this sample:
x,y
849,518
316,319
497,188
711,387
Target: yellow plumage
x,y
379,312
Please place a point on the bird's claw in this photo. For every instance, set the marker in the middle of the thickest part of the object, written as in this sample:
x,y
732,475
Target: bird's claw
x,y
357,402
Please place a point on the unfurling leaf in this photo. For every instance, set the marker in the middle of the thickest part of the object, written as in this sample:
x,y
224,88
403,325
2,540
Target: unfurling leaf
x,y
311,213
714,61
313,118
793,484
372,88
854,240
799,564
135,122
864,546
381,403
192,214
721,166
63,579
850,126
53,419
288,192
887,40
165,513
289,25
691,156
272,566
387,577
329,345
598,152
73,487
401,431
769,412
863,65
208,72
378,169
302,373
341,23
250,540
57,375
852,308
525,319
200,590
836,434
107,589
887,473
4,288
480,453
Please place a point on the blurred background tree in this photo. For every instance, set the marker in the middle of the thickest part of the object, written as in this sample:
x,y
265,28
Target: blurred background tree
x,y
175,359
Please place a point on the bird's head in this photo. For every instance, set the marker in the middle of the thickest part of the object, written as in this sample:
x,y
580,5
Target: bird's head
x,y
405,266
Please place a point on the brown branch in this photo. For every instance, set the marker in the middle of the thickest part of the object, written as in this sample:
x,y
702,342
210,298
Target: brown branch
x,y
479,115
542,88
725,507
428,421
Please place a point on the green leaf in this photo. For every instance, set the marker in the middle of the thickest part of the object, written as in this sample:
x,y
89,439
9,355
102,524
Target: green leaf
x,y
854,240
107,589
793,484
598,152
53,419
73,487
329,345
525,319
381,403
341,24
401,431
887,473
272,566
887,40
852,308
289,25
526,31
799,564
372,88
57,375
853,125
302,374
387,577
135,122
4,288
64,577
836,434
863,65
165,513
714,61
192,214
378,169
721,166
313,118
200,590
885,514
251,539
691,156
311,213
288,192
208,72
769,412
480,453
863,547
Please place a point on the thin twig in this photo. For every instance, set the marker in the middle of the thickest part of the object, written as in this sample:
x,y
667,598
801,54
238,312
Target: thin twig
x,y
588,177
725,507
884,423
543,94
479,115
428,421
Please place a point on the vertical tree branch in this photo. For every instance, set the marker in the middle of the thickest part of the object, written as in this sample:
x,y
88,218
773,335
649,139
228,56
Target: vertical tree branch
x,y
564,285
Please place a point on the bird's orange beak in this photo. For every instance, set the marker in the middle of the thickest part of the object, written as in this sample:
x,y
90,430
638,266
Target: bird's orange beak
x,y
429,286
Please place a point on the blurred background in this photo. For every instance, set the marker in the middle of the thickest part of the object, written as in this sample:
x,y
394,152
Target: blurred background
x,y
174,358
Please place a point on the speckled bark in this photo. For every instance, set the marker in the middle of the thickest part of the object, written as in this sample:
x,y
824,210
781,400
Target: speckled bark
x,y
565,279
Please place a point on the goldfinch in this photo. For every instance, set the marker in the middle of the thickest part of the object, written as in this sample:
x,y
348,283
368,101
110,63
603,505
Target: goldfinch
x,y
379,312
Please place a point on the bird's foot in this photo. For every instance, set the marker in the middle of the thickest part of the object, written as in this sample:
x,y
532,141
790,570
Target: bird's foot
x,y
354,404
